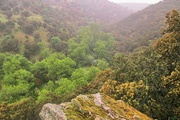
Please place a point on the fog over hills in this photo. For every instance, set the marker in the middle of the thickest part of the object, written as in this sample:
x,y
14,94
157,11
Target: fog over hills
x,y
135,6
143,26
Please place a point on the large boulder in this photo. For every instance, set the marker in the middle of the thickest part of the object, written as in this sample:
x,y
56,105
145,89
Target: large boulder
x,y
91,107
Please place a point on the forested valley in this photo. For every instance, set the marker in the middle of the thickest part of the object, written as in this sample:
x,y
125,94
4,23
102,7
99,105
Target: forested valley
x,y
51,51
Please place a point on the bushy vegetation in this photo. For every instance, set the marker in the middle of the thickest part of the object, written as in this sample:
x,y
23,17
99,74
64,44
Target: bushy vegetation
x,y
41,62
148,78
31,84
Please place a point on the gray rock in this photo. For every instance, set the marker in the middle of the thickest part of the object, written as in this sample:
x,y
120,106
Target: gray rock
x,y
52,112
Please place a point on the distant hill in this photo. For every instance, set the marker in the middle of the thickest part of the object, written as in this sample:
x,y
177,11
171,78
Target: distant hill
x,y
135,6
101,10
140,28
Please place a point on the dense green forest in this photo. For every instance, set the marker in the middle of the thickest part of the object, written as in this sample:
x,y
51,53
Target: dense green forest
x,y
47,55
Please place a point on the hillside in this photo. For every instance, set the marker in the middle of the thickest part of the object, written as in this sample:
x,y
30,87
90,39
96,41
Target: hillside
x,y
135,6
140,28
101,10
28,26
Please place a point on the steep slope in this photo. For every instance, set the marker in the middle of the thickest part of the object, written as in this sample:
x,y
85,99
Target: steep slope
x,y
27,26
91,107
101,10
142,27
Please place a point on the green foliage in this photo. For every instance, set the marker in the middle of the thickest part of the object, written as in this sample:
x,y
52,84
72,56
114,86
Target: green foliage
x,y
91,44
79,77
134,93
60,68
82,76
171,99
13,93
65,86
17,81
56,44
54,67
40,70
172,22
18,77
102,64
2,59
16,86
13,63
10,44
168,46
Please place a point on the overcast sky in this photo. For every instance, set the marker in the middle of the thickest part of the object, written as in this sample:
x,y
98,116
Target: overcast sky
x,y
136,1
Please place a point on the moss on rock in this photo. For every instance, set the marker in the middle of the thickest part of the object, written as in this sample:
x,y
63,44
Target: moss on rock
x,y
94,107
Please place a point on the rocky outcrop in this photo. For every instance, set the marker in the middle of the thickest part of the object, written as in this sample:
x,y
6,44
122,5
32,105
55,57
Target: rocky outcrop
x,y
91,107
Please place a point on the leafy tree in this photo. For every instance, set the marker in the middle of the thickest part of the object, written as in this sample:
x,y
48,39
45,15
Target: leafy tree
x,y
16,86
171,84
134,93
65,86
169,45
10,44
47,89
40,71
30,49
17,80
28,28
172,22
13,63
102,64
60,68
92,72
79,77
2,59
56,44
54,67
91,44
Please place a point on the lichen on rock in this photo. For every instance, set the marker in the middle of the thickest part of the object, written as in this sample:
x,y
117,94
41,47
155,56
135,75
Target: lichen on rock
x,y
91,107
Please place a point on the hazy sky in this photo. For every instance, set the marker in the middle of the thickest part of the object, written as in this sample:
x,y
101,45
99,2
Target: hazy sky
x,y
136,1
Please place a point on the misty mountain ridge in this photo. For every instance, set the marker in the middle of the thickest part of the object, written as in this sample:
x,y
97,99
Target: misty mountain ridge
x,y
140,28
100,10
135,6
